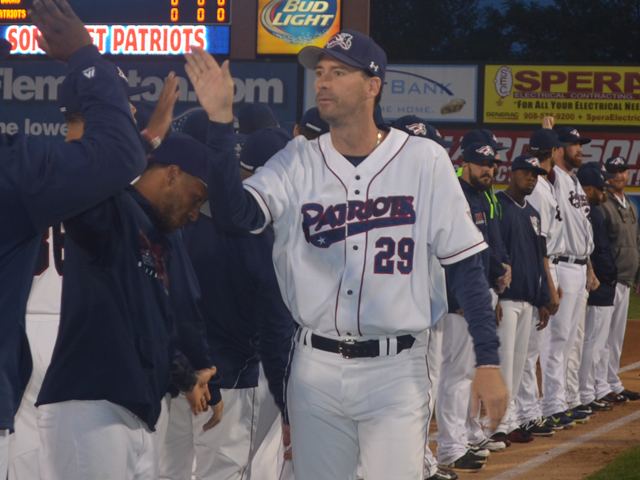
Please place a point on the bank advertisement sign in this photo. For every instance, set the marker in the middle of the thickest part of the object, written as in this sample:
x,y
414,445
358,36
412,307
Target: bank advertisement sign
x,y
435,93
578,95
286,26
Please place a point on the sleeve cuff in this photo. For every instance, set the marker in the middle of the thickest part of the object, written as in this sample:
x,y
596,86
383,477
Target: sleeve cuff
x,y
462,254
263,206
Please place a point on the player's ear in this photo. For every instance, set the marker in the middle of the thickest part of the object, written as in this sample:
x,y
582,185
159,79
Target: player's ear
x,y
172,174
375,86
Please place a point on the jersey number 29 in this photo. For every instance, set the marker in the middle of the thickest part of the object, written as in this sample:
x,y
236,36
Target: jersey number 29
x,y
385,261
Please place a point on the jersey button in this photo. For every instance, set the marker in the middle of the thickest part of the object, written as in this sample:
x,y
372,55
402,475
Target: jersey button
x,y
357,177
355,247
357,192
349,292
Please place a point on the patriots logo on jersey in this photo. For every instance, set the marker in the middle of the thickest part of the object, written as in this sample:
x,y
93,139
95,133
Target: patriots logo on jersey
x,y
152,260
342,40
578,200
323,227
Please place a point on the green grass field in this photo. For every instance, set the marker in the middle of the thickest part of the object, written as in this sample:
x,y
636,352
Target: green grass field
x,y
634,309
625,467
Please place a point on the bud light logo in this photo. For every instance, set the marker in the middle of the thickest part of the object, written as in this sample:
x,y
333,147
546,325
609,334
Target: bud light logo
x,y
299,21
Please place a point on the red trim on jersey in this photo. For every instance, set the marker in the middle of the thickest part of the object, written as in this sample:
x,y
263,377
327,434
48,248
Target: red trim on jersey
x,y
366,245
462,251
335,312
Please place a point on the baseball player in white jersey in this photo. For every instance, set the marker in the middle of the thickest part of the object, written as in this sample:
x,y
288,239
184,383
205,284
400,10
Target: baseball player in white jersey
x,y
357,213
560,356
43,317
544,144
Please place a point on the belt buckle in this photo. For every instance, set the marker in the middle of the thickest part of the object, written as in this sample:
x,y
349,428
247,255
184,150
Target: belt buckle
x,y
344,347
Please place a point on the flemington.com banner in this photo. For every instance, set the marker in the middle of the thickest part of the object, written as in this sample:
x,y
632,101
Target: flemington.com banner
x,y
576,95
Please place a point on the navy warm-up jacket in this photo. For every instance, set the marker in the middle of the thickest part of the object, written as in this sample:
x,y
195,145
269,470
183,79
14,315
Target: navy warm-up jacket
x,y
43,183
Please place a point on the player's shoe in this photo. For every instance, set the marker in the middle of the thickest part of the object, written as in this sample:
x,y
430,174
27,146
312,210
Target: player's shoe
x,y
443,474
560,421
600,406
480,452
614,398
520,435
538,428
501,437
469,462
489,444
586,409
577,416
630,394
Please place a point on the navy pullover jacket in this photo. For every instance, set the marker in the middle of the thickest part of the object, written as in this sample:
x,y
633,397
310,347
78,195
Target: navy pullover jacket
x,y
127,290
245,316
602,260
42,183
520,229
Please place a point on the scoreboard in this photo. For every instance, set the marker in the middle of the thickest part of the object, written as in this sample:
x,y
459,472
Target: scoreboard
x,y
132,27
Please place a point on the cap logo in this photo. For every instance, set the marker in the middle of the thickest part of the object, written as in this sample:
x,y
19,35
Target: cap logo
x,y
575,132
494,138
342,40
533,161
89,72
373,66
486,151
418,129
617,161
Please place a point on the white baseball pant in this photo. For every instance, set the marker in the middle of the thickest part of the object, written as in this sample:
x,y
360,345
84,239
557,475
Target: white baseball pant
x,y
454,391
574,358
434,361
24,444
268,463
560,335
514,332
95,440
596,330
222,453
528,396
616,336
344,409
4,452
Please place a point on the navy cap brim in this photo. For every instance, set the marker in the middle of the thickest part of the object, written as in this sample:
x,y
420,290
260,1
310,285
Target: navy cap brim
x,y
539,171
309,57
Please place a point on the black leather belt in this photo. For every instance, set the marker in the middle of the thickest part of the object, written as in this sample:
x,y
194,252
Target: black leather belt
x,y
354,349
577,261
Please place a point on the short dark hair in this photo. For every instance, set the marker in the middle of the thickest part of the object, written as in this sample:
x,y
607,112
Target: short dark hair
x,y
73,117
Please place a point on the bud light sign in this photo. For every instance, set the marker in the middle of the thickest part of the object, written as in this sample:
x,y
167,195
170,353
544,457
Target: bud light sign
x,y
286,26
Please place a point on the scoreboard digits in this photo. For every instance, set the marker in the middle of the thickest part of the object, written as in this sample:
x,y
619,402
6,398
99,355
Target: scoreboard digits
x,y
207,11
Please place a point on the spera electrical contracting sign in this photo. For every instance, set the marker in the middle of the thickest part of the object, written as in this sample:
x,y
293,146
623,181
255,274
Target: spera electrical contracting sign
x,y
580,95
286,26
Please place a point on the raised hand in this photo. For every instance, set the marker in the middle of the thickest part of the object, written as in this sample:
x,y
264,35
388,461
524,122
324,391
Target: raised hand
x,y
160,120
213,84
62,33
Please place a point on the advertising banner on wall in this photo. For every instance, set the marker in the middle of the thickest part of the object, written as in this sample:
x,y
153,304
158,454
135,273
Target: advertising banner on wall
x,y
435,93
286,26
579,95
29,91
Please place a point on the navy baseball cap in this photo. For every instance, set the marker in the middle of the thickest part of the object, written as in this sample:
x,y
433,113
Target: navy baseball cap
x,y
527,162
480,153
349,47
570,135
482,135
420,128
254,116
186,152
616,164
544,139
5,48
590,174
70,103
261,145
311,120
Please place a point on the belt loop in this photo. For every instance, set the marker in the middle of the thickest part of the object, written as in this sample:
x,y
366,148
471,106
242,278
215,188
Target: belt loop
x,y
383,346
393,345
307,337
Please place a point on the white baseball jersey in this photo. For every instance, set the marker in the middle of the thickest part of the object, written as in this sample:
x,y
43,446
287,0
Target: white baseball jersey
x,y
574,210
352,244
544,201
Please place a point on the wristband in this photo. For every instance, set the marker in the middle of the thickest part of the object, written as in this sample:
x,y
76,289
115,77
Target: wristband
x,y
154,142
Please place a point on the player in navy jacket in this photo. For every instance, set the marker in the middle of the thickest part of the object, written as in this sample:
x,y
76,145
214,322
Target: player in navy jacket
x,y
520,229
43,183
129,299
593,373
247,323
